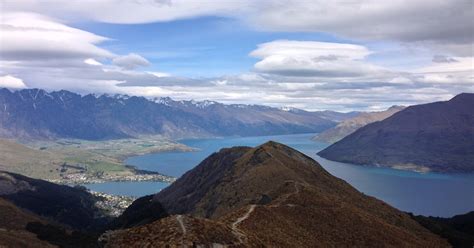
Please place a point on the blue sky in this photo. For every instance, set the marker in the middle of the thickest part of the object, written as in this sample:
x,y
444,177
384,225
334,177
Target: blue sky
x,y
339,55
197,47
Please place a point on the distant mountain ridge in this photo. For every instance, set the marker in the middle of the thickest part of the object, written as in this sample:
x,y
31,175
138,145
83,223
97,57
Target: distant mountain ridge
x,y
350,125
267,196
35,113
338,116
436,136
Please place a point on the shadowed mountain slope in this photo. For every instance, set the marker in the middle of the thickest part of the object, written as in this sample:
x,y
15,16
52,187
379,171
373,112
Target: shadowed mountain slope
x,y
57,203
458,230
20,227
436,136
13,227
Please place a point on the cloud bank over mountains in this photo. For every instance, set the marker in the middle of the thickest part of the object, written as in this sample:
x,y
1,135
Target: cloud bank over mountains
x,y
40,47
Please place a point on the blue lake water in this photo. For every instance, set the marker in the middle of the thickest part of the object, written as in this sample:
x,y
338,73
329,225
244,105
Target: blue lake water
x,y
128,188
428,194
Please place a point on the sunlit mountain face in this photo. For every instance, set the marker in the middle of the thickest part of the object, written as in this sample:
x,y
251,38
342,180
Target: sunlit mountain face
x,y
166,123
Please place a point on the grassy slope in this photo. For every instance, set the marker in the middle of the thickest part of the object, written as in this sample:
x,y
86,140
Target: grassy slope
x,y
20,159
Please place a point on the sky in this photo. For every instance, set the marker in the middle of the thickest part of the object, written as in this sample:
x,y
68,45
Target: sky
x,y
338,55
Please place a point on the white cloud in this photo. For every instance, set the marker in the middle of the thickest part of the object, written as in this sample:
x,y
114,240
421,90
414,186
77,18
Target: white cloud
x,y
29,36
130,61
373,19
312,49
159,74
313,59
456,64
51,55
401,80
9,81
455,70
90,61
447,24
47,53
129,12
443,59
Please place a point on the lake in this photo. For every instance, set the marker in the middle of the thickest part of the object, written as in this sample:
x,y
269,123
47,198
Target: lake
x,y
428,194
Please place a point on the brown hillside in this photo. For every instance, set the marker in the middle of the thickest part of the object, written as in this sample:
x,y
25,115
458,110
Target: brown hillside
x,y
273,195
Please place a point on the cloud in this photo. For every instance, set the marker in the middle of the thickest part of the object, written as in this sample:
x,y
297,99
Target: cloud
x,y
150,80
313,49
446,24
371,19
9,81
313,59
90,61
159,74
443,59
30,37
130,61
130,12
450,71
51,55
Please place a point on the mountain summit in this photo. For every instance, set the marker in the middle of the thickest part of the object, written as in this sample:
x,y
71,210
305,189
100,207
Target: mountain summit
x,y
272,196
435,137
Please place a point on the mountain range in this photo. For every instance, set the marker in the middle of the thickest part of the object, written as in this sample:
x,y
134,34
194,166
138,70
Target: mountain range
x,y
437,137
267,196
350,125
35,113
